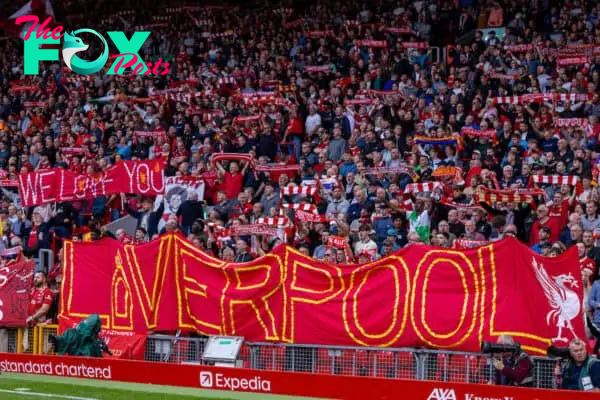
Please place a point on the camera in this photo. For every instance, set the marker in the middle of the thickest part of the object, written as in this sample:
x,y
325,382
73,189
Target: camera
x,y
493,348
559,352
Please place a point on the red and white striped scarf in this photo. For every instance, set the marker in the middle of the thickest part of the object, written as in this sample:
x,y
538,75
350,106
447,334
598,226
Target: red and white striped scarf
x,y
401,31
154,134
179,97
415,45
520,48
310,217
339,242
278,168
577,122
360,102
487,133
250,118
491,196
221,34
317,68
34,104
497,75
77,79
541,97
72,150
147,27
383,93
253,229
22,88
294,24
304,207
375,44
556,179
227,80
253,100
284,12
573,61
422,187
295,189
9,182
402,169
231,156
279,221
319,34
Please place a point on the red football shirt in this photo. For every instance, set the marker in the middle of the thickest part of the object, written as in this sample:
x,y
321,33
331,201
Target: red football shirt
x,y
233,184
39,297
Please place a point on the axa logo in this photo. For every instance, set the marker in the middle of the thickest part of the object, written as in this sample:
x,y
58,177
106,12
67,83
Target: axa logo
x,y
442,394
220,381
128,56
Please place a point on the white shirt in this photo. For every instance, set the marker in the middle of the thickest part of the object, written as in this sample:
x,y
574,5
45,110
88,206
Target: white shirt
x,y
312,122
370,247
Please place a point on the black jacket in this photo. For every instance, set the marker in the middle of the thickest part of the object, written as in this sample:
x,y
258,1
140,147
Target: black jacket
x,y
153,218
189,211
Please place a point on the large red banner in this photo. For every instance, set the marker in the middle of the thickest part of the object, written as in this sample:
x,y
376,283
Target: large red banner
x,y
420,296
15,285
268,383
47,186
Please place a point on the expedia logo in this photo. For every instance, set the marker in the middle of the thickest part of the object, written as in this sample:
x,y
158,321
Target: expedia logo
x,y
220,381
206,379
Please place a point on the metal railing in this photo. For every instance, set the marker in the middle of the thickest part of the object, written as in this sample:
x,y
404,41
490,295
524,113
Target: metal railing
x,y
402,363
30,340
43,344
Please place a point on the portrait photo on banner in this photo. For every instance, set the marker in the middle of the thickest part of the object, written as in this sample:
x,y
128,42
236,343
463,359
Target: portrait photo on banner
x,y
177,191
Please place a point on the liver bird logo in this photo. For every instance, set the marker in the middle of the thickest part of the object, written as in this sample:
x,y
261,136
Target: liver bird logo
x,y
564,301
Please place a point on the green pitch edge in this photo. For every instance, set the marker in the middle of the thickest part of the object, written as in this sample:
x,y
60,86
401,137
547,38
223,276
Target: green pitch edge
x,y
52,384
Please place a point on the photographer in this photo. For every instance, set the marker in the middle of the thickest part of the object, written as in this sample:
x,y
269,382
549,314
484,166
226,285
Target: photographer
x,y
513,366
581,371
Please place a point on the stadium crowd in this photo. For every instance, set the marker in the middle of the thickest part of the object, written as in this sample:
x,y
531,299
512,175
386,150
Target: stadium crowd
x,y
356,128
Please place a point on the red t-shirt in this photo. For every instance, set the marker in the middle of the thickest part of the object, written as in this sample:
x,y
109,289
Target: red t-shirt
x,y
39,297
295,127
32,239
551,223
233,184
560,212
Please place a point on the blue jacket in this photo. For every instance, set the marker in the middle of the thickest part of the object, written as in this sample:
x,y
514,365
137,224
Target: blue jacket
x,y
348,167
381,226
354,211
594,301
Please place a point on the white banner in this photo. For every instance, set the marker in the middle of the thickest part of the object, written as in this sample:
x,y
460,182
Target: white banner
x,y
177,190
